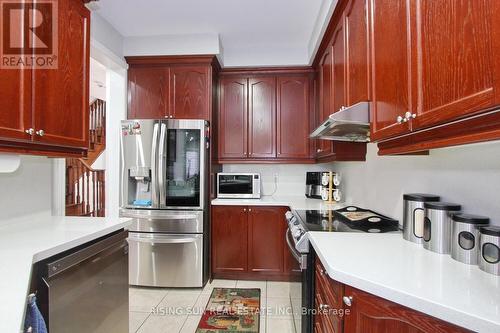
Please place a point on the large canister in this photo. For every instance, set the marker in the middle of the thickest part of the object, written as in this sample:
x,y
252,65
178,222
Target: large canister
x,y
437,226
413,215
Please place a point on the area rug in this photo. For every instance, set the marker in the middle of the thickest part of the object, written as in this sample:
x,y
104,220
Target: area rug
x,y
231,310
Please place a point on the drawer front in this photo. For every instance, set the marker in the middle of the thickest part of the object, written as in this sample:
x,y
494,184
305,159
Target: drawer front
x,y
327,320
333,289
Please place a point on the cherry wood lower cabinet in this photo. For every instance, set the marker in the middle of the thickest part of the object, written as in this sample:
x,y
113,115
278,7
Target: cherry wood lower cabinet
x,y
248,242
229,239
342,308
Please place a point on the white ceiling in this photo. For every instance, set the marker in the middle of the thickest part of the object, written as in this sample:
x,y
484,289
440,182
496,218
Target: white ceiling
x,y
255,32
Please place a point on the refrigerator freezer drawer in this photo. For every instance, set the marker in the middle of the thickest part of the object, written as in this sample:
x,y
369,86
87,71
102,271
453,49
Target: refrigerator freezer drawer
x,y
168,221
159,260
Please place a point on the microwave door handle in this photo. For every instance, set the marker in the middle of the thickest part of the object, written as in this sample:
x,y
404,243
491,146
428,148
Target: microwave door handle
x,y
162,156
154,175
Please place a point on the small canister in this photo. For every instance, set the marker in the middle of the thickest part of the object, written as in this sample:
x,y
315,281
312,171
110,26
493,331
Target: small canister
x,y
437,226
413,215
465,237
490,250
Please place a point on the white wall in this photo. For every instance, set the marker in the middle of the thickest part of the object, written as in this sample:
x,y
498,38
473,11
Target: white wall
x,y
291,177
27,190
172,44
104,34
116,111
468,175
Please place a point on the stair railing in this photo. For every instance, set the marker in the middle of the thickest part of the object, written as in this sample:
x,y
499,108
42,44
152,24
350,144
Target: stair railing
x,y
85,186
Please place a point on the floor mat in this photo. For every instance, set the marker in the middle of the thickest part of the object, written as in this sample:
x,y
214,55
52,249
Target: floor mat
x,y
231,310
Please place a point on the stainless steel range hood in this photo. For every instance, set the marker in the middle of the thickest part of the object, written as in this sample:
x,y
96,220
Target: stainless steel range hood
x,y
348,124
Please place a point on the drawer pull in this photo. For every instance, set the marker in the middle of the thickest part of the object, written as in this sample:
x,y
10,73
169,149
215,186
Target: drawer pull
x,y
347,300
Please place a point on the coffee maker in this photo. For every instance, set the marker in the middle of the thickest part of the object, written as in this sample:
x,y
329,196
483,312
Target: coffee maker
x,y
313,184
316,186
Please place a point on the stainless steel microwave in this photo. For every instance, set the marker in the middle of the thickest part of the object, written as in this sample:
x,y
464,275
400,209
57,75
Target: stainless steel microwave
x,y
238,185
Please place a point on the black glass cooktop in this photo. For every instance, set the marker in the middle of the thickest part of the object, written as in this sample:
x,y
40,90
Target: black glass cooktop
x,y
348,219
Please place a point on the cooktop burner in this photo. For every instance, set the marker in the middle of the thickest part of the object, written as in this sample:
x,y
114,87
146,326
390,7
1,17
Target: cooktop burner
x,y
348,219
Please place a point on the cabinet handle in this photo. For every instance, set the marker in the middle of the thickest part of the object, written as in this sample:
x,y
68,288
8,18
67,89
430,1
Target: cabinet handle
x,y
347,300
324,306
321,272
400,119
249,209
410,116
30,131
244,209
40,132
319,150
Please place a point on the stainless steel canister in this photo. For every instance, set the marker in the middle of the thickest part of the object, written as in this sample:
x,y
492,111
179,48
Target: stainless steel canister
x,y
489,260
437,226
413,215
465,237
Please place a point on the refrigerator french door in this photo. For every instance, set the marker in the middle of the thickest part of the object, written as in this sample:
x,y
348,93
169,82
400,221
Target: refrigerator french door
x,y
164,191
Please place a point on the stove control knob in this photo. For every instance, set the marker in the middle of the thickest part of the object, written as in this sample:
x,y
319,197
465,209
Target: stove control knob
x,y
297,232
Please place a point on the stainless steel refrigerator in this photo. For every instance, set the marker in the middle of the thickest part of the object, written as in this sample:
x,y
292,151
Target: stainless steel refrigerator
x,y
164,189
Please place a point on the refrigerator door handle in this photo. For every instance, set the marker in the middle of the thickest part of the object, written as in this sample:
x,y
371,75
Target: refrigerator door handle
x,y
154,175
162,156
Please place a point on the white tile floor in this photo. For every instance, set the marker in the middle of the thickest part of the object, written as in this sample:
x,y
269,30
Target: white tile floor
x,y
179,310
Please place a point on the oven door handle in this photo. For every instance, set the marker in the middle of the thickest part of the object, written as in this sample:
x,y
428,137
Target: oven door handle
x,y
301,258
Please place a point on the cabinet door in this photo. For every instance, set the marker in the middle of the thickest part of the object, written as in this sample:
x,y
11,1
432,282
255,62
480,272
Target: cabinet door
x,y
266,232
389,49
454,63
338,51
370,313
262,117
293,117
61,96
233,118
190,95
229,238
15,104
325,147
148,92
356,44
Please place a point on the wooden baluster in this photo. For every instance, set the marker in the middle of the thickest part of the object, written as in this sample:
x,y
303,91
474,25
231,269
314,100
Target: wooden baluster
x,y
88,191
95,184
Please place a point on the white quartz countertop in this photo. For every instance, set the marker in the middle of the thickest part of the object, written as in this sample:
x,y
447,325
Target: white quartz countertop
x,y
388,266
31,238
292,201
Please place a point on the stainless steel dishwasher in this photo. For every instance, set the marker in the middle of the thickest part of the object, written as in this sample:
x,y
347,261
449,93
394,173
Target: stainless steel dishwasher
x,y
87,290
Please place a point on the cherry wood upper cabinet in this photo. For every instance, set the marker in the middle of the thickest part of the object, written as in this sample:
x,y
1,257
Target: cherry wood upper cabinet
x,y
233,118
294,117
229,239
389,53
46,111
148,89
64,91
455,66
369,313
356,52
266,230
325,71
15,104
172,87
190,94
339,81
262,117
